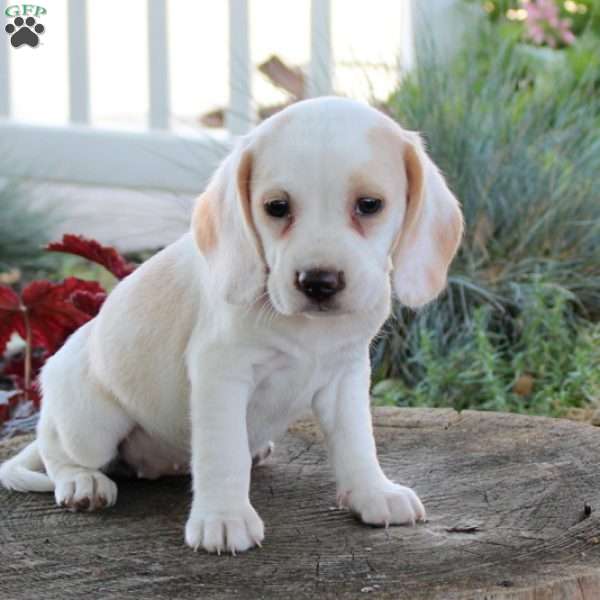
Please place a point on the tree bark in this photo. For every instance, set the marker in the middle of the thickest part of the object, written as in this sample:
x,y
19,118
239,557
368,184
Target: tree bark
x,y
513,513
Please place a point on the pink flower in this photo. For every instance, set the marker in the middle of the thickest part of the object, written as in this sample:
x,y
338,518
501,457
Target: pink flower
x,y
536,33
543,24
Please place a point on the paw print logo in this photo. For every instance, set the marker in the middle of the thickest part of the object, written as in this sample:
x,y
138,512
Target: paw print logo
x,y
24,32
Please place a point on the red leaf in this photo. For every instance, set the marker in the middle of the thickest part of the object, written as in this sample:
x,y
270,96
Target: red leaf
x,y
88,302
52,315
11,313
4,413
34,394
18,397
15,367
106,256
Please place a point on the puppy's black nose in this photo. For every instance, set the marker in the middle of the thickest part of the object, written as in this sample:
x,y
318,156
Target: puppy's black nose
x,y
320,285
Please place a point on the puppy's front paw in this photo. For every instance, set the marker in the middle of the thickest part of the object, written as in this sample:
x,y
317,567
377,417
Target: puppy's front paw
x,y
384,504
224,530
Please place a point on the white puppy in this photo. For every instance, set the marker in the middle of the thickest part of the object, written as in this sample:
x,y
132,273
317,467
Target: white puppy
x,y
215,345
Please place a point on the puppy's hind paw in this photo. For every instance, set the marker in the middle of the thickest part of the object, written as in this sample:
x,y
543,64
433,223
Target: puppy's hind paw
x,y
263,454
224,531
85,490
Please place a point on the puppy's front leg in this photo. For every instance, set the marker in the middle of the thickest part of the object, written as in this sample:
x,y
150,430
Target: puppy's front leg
x,y
222,517
345,418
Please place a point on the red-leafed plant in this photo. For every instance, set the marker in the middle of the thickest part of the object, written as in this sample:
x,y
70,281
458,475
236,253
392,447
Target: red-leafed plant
x,y
46,313
106,256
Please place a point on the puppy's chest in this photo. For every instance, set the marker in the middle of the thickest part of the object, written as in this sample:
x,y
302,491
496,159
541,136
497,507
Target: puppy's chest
x,y
284,391
287,380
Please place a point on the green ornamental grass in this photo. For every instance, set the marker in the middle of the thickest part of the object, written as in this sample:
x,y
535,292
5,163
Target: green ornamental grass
x,y
520,146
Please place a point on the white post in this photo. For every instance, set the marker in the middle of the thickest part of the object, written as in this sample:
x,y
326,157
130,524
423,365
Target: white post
x,y
79,96
439,25
158,65
239,116
4,71
406,51
320,72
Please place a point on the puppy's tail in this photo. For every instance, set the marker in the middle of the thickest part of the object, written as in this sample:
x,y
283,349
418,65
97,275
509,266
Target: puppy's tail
x,y
23,472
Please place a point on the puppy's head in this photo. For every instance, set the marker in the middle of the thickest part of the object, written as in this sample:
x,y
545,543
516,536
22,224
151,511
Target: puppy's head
x,y
319,204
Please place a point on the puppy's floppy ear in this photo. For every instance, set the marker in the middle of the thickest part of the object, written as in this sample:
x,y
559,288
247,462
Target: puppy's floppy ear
x,y
431,231
224,231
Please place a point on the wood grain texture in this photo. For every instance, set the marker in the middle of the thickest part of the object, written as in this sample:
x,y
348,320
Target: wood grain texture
x,y
505,496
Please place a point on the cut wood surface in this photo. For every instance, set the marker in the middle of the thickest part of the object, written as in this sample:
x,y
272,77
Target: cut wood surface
x,y
505,494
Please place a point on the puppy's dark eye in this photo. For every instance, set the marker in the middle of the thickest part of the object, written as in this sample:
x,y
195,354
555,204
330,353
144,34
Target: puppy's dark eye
x,y
366,206
278,208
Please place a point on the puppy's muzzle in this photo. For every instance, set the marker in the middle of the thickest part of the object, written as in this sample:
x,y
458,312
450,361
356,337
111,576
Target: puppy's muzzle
x,y
320,285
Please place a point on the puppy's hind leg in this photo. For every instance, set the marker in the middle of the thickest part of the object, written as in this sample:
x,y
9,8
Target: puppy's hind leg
x,y
262,455
80,428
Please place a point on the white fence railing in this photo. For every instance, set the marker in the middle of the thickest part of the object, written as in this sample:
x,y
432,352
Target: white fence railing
x,y
156,158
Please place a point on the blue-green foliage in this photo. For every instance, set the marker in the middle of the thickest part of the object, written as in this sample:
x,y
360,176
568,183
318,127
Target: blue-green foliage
x,y
23,232
520,146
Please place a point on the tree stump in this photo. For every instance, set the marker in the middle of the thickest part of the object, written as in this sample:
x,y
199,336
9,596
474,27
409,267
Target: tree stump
x,y
513,513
